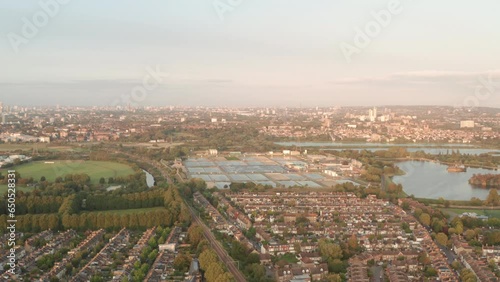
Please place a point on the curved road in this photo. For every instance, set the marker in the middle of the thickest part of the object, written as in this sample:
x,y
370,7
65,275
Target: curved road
x,y
224,257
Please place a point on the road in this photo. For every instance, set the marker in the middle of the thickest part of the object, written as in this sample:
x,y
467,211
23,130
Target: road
x,y
377,271
224,257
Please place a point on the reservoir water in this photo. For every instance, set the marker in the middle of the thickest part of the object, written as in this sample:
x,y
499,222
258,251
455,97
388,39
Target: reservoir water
x,y
433,151
432,180
428,148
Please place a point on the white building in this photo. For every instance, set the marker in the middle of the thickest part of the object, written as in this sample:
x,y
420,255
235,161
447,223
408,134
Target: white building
x,y
467,124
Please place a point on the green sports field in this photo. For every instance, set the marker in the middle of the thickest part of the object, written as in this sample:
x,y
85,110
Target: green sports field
x,y
129,211
454,212
95,169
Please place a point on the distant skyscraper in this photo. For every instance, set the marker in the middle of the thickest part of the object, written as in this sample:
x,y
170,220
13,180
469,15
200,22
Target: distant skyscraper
x,y
372,114
1,107
4,118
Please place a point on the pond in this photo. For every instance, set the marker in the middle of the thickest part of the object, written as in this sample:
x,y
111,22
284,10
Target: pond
x,y
150,180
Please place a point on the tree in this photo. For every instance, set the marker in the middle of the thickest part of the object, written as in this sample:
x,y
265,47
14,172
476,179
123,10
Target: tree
x,y
225,277
447,204
102,181
470,234
255,272
207,257
333,278
431,272
425,219
476,201
424,259
459,227
329,250
442,239
182,262
467,275
353,242
195,234
213,272
493,198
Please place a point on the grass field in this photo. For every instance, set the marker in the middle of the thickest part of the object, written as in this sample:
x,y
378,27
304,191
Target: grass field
x,y
51,171
454,212
130,211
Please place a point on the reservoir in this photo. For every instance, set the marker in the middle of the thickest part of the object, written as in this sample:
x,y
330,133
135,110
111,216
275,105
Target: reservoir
x,y
432,180
433,151
428,148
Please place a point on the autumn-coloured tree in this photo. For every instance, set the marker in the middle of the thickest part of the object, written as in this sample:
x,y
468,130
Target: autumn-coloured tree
x,y
493,198
425,219
353,242
442,239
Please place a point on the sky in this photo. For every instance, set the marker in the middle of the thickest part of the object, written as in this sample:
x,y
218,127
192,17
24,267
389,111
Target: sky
x,y
242,53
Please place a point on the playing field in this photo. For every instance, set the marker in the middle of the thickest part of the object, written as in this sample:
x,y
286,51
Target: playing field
x,y
454,212
51,170
129,211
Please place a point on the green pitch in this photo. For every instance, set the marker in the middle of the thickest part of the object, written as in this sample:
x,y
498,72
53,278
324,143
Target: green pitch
x,y
52,170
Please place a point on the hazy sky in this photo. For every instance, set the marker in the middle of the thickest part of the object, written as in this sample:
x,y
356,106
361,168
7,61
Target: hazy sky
x,y
257,53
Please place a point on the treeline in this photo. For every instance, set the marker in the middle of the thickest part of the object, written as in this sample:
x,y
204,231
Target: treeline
x,y
213,269
140,220
451,156
33,222
75,183
485,180
72,212
95,220
31,204
81,202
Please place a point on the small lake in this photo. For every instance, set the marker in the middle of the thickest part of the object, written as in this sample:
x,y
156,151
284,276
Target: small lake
x,y
150,180
432,180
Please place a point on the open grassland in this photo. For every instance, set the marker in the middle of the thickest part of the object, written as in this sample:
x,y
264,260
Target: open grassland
x,y
455,211
95,169
129,211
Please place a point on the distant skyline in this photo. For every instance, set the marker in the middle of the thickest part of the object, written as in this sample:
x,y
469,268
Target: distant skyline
x,y
260,53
